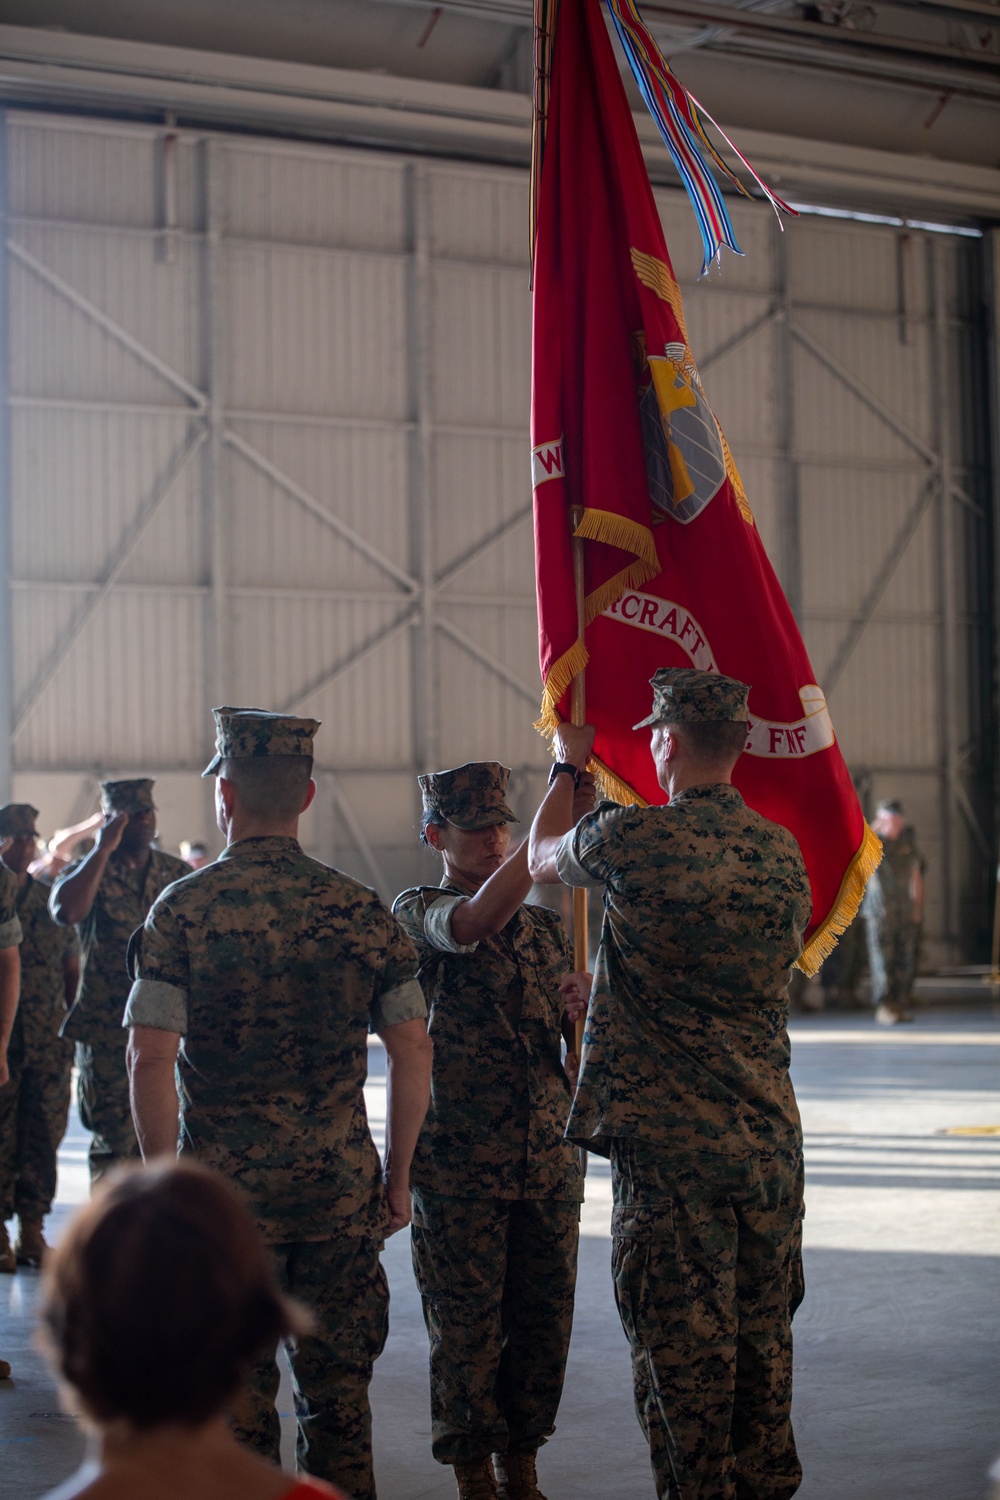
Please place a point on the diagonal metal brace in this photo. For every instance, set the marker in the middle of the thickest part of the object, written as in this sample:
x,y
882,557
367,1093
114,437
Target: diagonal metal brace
x,y
352,659
309,502
114,330
890,563
487,660
113,572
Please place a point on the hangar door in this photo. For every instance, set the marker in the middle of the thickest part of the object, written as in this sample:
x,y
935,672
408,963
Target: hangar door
x,y
267,409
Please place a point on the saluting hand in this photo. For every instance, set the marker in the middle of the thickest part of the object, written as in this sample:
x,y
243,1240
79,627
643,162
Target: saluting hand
x,y
109,835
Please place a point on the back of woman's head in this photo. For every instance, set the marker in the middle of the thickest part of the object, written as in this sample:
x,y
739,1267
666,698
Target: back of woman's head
x,y
161,1297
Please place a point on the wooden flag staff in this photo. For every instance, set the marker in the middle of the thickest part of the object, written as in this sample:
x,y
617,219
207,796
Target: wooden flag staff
x,y
578,716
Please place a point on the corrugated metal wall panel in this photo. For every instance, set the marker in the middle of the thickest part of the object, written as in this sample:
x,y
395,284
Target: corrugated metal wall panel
x,y
314,196
481,349
479,216
283,646
110,463
313,348
98,174
358,474
841,508
131,692
152,300
479,482
315,332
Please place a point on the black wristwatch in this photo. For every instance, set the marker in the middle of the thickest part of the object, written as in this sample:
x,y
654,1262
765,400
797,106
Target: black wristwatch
x,y
563,767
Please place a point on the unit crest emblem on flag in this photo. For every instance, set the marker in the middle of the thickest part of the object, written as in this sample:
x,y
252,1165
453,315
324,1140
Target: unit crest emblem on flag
x,y
685,461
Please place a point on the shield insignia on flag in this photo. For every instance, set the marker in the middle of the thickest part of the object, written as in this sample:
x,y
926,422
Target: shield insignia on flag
x,y
685,462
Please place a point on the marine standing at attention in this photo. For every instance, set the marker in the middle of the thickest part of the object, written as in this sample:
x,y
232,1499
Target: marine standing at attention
x,y
496,1195
260,977
684,1084
893,911
34,1104
106,897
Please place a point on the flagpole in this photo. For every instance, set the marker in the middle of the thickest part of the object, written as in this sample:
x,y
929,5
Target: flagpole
x,y
578,716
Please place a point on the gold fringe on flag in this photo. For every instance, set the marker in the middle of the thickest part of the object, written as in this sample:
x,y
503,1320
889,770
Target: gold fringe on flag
x,y
612,787
845,908
622,532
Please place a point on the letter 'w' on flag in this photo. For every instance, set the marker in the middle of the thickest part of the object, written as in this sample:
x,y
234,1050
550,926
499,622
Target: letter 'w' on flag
x,y
623,438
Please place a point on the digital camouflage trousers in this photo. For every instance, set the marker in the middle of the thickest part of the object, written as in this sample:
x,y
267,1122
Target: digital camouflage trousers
x,y
497,1280
105,1110
343,1285
34,1107
893,948
707,1265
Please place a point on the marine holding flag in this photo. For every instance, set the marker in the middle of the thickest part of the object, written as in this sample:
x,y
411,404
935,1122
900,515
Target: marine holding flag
x,y
650,567
623,438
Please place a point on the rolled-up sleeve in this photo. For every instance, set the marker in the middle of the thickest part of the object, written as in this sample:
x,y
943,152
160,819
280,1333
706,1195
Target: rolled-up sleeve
x,y
153,1003
397,995
10,932
10,922
437,925
586,855
403,1003
158,966
568,867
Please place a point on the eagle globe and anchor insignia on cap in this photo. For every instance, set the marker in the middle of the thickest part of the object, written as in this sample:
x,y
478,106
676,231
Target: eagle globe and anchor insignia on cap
x,y
134,795
472,796
246,733
684,695
17,819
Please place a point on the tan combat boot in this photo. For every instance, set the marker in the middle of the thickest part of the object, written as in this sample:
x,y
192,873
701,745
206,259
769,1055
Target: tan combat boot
x,y
522,1481
475,1480
31,1248
8,1260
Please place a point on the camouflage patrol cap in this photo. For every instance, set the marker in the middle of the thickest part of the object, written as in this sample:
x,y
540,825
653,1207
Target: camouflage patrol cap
x,y
245,733
683,695
471,796
16,819
134,796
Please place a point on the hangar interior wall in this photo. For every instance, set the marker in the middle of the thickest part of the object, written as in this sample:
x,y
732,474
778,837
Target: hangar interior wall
x,y
267,410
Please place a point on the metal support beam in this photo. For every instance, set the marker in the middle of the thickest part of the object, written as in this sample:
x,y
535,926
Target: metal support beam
x,y
352,659
484,544
775,313
879,407
423,531
488,660
218,643
951,671
309,502
161,489
359,837
107,324
6,559
845,649
789,557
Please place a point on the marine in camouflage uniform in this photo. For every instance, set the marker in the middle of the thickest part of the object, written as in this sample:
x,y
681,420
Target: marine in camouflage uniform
x,y
269,969
10,969
892,911
496,1187
684,1084
129,876
34,1105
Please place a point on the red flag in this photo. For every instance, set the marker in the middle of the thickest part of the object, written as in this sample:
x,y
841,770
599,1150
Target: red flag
x,y
675,573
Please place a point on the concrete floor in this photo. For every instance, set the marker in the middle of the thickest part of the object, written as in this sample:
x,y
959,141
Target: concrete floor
x,y
897,1358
